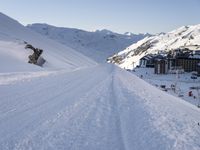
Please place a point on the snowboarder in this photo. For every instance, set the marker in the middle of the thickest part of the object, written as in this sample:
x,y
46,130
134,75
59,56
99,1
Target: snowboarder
x,y
36,54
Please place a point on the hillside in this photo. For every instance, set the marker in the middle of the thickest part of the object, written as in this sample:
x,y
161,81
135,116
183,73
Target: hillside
x,y
14,56
184,37
98,45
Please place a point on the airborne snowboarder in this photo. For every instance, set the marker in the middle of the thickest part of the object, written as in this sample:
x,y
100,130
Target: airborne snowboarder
x,y
33,59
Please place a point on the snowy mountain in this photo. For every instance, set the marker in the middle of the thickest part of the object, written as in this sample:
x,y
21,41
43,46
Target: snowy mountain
x,y
98,45
14,56
75,104
184,37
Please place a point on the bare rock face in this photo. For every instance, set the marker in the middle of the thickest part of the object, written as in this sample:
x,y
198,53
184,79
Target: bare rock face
x,y
35,58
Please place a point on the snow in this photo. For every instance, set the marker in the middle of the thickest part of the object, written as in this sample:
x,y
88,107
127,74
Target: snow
x,y
185,37
74,103
98,45
101,107
14,57
183,83
10,78
13,54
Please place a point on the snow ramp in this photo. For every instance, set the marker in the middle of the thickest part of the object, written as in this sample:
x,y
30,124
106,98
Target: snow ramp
x,y
98,108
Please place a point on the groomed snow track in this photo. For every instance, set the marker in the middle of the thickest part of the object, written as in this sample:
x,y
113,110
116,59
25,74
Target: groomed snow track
x,y
98,108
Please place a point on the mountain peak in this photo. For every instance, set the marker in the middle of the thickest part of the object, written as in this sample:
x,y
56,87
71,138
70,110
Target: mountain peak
x,y
128,33
104,31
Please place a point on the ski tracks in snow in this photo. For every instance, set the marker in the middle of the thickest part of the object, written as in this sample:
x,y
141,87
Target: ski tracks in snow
x,y
92,122
99,108
178,126
12,78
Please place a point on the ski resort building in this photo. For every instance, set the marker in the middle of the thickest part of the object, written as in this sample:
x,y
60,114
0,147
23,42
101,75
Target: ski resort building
x,y
180,60
161,66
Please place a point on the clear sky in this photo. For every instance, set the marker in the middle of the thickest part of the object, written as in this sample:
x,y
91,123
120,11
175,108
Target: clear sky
x,y
137,16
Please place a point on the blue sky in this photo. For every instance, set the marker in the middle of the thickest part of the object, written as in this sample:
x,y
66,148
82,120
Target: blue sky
x,y
137,16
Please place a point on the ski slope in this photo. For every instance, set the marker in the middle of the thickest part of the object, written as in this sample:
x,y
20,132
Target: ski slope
x,y
100,107
14,56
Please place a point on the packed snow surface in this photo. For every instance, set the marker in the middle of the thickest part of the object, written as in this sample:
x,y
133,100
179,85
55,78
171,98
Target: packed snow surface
x,y
184,83
101,107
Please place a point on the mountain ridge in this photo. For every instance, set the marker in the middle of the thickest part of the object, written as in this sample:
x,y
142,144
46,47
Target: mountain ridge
x,y
98,45
183,37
